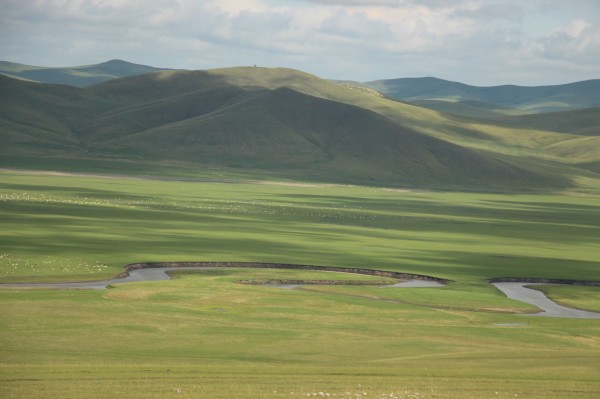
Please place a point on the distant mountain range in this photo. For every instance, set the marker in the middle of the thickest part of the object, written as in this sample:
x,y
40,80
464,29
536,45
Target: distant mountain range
x,y
433,93
79,76
462,99
287,123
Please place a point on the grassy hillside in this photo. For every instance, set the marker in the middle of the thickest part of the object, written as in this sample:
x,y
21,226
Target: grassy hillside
x,y
518,146
80,76
579,143
522,144
278,121
583,122
471,108
301,134
38,118
577,95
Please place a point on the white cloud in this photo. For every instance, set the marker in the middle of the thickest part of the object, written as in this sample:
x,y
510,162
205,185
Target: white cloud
x,y
579,39
356,26
477,41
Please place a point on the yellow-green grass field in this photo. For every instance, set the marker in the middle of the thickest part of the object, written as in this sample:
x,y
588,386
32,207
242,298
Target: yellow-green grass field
x,y
204,335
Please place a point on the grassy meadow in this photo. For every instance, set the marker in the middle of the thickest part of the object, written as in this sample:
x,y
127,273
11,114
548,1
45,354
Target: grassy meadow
x,y
203,335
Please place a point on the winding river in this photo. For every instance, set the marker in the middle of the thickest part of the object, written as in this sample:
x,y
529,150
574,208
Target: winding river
x,y
520,292
158,272
162,273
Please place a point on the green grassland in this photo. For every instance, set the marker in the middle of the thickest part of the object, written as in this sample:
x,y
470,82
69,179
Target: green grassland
x,y
204,335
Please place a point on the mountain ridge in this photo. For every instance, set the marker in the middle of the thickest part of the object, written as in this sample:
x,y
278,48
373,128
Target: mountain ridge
x,y
78,76
272,120
531,99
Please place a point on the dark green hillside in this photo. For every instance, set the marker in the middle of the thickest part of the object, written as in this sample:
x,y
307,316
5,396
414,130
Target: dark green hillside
x,y
577,95
289,131
39,118
79,76
143,115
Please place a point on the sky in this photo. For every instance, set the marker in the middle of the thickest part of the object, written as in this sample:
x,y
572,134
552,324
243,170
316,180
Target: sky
x,y
478,42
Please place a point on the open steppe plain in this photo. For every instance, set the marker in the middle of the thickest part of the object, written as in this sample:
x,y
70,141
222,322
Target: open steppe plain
x,y
204,335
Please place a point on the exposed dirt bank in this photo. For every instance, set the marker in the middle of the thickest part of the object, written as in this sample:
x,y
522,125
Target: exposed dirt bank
x,y
513,287
158,271
543,281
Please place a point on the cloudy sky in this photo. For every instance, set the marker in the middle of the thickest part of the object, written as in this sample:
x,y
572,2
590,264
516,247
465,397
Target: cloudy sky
x,y
480,42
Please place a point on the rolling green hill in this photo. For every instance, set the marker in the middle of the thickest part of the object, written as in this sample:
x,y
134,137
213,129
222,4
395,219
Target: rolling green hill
x,y
321,138
580,128
470,108
79,76
278,121
537,99
582,122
